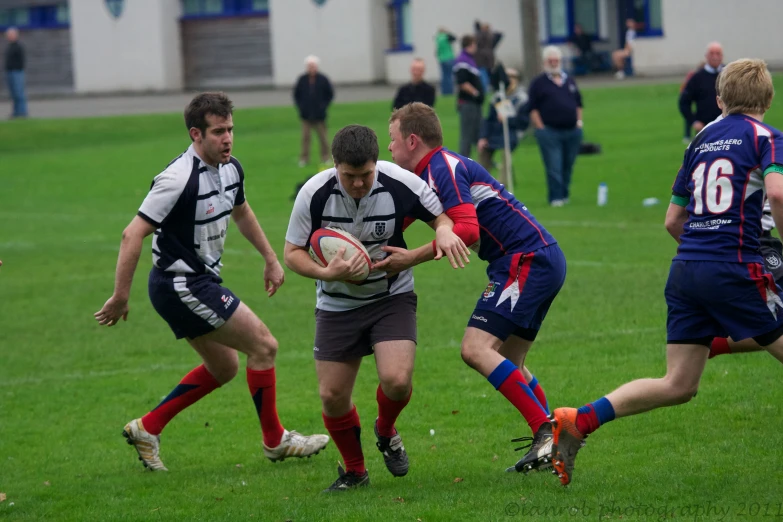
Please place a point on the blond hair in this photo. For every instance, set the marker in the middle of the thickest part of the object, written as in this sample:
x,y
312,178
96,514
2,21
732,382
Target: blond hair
x,y
421,120
745,87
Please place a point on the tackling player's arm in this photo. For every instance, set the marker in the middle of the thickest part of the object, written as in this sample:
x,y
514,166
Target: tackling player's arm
x,y
130,250
248,226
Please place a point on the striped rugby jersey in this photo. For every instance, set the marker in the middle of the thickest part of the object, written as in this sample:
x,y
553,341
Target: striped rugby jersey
x,y
191,202
376,222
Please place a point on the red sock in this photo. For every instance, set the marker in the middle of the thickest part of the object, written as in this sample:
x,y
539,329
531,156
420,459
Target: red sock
x,y
346,432
195,385
388,411
587,422
719,346
509,381
262,389
538,391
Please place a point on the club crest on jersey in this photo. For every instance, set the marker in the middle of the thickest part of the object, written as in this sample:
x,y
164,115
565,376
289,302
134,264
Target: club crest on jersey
x,y
379,230
773,261
489,291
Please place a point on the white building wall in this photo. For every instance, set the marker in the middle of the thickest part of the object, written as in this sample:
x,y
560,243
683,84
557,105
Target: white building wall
x,y
139,51
458,16
340,33
746,30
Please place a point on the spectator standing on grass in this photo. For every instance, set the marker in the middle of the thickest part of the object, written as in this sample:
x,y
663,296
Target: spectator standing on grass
x,y
486,41
417,90
701,90
686,137
14,72
445,53
556,114
313,94
470,97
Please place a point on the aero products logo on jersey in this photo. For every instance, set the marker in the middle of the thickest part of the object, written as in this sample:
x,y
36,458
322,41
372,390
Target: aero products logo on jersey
x,y
210,209
379,230
490,290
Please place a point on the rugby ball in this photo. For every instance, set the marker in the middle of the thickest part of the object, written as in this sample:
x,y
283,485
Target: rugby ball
x,y
325,242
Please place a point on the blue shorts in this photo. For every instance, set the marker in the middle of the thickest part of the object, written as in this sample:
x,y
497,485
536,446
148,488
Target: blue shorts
x,y
709,299
193,305
520,291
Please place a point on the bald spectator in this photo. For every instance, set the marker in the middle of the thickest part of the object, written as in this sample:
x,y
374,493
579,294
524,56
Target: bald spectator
x,y
14,72
417,90
313,94
700,90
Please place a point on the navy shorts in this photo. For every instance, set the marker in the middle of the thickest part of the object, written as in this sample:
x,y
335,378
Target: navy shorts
x,y
520,291
193,305
708,299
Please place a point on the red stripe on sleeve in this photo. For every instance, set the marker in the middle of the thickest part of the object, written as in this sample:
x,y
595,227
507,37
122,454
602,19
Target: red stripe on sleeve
x,y
465,220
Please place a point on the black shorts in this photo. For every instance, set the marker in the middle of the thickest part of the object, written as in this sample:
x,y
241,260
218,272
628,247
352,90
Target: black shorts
x,y
351,335
772,252
193,305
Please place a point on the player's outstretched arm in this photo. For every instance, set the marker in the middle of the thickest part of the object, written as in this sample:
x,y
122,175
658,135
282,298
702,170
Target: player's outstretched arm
x,y
248,226
298,259
773,184
676,216
130,250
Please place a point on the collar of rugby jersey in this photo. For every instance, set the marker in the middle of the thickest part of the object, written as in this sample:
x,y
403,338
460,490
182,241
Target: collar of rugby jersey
x,y
212,169
713,70
426,160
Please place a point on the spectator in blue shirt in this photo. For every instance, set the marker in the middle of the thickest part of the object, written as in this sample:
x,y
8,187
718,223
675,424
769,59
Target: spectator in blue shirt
x,y
556,115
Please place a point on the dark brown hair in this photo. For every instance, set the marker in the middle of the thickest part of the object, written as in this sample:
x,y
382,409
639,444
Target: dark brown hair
x,y
355,145
215,103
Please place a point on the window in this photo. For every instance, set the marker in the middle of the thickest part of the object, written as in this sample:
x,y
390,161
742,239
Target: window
x,y
221,8
56,16
648,16
400,28
562,15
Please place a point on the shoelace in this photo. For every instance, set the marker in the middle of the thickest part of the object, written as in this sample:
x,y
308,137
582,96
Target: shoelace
x,y
530,440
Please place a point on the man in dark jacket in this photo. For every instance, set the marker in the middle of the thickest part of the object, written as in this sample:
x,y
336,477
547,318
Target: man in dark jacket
x,y
700,90
486,41
417,90
14,72
313,94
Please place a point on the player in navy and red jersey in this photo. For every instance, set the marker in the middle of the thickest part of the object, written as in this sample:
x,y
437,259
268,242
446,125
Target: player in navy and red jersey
x,y
717,283
526,267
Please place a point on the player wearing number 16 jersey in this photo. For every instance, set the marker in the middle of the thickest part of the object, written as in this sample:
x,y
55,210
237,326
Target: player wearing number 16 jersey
x,y
717,283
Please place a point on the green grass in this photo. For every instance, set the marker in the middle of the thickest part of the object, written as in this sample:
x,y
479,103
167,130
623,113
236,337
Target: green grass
x,y
68,386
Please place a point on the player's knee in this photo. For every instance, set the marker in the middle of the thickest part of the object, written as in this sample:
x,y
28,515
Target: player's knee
x,y
470,354
225,370
333,398
396,387
684,392
264,346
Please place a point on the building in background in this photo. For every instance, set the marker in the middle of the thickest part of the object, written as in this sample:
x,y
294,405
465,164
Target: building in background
x,y
90,46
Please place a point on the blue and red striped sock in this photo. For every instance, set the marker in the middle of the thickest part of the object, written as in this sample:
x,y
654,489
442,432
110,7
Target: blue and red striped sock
x,y
591,416
538,391
508,380
194,386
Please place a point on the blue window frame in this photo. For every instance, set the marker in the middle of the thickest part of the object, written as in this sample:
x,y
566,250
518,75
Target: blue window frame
x,y
56,16
224,8
400,26
563,15
648,16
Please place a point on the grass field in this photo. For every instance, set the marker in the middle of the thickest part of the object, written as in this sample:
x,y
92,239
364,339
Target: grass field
x,y
67,386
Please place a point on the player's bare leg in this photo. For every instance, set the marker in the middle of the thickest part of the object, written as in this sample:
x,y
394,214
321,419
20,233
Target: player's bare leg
x,y
684,367
776,349
394,360
727,345
245,332
336,380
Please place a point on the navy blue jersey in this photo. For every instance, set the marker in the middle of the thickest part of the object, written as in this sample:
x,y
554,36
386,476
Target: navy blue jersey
x,y
721,184
506,226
